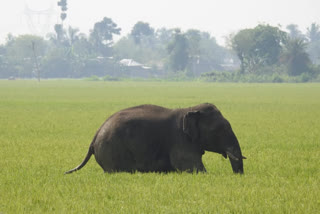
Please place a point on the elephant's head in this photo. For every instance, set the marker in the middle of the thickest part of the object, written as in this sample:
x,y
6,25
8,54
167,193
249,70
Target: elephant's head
x,y
205,125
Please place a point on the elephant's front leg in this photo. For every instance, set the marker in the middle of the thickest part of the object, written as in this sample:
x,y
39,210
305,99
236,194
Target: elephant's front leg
x,y
187,159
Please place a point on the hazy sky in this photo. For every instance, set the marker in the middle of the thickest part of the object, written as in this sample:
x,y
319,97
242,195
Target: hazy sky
x,y
218,17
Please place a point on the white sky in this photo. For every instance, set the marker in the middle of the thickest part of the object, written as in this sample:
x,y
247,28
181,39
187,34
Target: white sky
x,y
218,17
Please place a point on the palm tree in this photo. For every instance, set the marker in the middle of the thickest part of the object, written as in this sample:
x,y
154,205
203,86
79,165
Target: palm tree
x,y
296,57
73,35
313,33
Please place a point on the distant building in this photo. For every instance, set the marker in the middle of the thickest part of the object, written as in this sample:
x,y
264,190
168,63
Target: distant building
x,y
132,63
134,69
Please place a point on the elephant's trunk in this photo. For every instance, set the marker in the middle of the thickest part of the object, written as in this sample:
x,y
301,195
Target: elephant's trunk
x,y
235,156
236,163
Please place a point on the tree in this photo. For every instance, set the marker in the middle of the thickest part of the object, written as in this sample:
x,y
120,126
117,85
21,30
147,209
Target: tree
x,y
164,35
313,33
102,35
151,50
36,62
5,68
126,48
194,38
57,64
296,57
24,52
313,36
258,47
242,43
178,52
140,30
294,31
66,45
63,5
82,47
72,35
205,54
60,36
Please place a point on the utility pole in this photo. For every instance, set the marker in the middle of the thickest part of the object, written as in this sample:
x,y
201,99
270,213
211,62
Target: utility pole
x,y
36,60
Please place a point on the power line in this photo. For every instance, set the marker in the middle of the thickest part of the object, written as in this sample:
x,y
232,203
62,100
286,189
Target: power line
x,y
39,21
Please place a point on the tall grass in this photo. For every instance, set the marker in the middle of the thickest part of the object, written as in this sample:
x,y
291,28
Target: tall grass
x,y
46,128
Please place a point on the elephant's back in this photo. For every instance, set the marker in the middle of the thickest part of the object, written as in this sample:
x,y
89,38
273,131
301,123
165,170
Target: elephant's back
x,y
142,112
137,120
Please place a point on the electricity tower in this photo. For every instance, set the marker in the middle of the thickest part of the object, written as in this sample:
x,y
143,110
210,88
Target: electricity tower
x,y
40,22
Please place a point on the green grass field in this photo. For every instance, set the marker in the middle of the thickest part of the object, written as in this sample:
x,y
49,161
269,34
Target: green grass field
x,y
46,128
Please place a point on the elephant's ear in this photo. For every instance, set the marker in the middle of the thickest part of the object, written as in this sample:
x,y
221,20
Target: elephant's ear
x,y
190,124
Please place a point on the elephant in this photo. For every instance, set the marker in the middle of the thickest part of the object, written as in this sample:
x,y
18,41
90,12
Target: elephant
x,y
150,138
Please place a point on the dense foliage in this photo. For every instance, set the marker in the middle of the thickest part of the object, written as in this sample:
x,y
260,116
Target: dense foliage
x,y
263,53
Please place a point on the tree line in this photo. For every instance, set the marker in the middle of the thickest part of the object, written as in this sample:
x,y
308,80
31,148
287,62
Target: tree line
x,y
263,53
269,50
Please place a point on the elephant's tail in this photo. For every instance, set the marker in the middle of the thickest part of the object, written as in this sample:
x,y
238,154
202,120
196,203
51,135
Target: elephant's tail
x,y
84,162
86,159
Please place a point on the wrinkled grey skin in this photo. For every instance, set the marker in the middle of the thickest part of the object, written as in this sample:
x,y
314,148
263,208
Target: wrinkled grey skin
x,y
151,138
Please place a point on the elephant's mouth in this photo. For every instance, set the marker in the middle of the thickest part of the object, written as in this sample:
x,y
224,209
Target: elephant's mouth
x,y
232,156
236,160
236,163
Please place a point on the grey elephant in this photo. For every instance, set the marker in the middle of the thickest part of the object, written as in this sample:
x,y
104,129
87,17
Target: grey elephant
x,y
151,138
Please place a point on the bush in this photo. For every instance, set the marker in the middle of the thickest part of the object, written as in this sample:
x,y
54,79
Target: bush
x,y
276,78
217,76
178,76
109,78
92,78
256,78
305,77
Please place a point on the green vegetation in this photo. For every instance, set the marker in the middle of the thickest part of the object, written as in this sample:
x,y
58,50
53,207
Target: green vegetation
x,y
254,54
46,128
